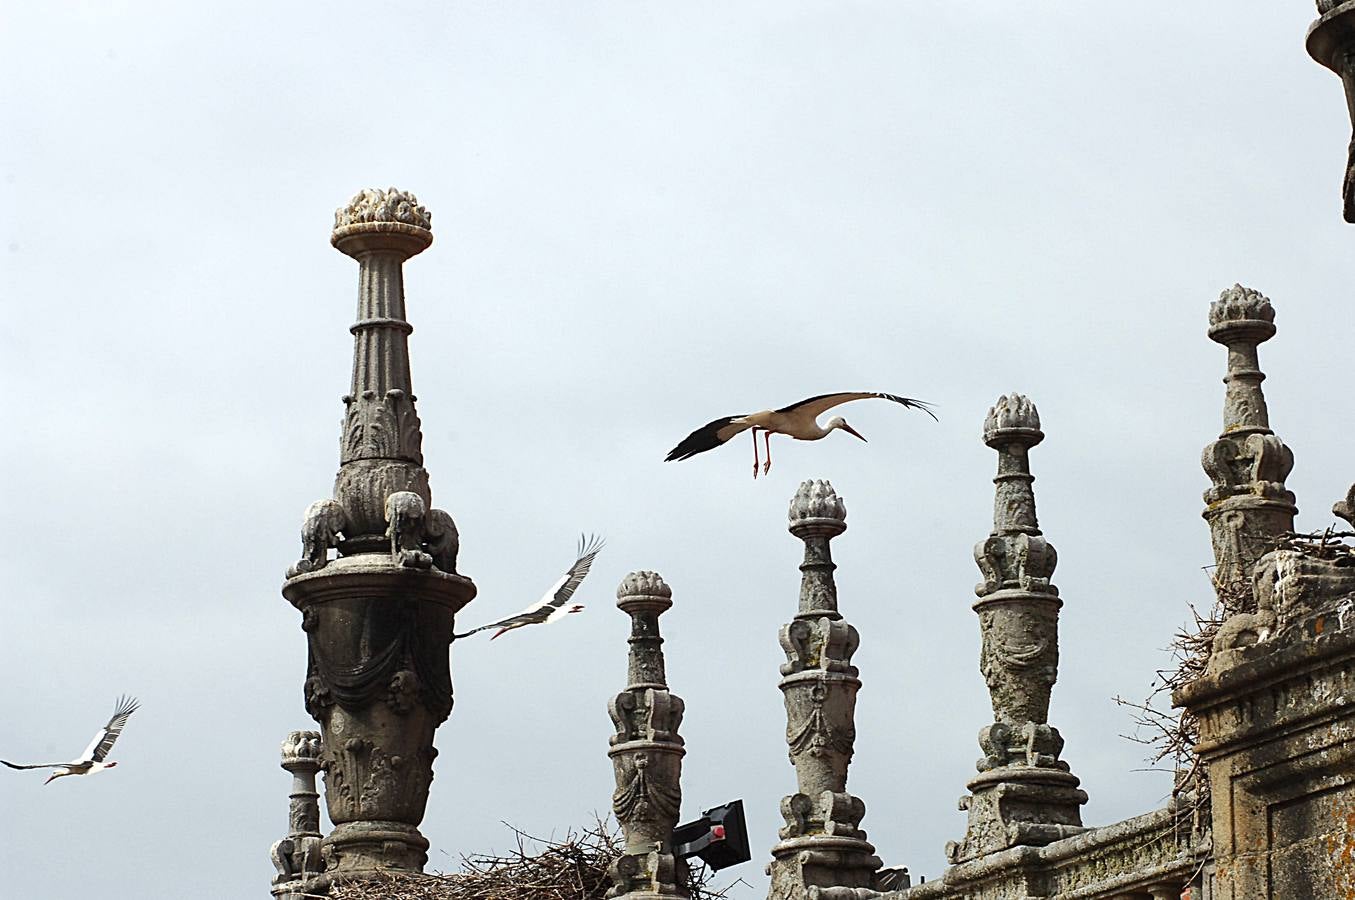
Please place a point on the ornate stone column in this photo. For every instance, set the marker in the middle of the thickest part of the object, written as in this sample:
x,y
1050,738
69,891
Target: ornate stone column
x,y
1247,507
822,844
378,618
297,857
647,752
1331,41
1023,794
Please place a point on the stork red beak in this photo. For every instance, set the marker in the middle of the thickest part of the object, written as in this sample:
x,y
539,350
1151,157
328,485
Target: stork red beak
x,y
852,431
576,608
49,779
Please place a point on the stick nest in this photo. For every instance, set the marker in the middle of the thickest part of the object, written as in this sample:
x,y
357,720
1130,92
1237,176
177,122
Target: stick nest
x,y
573,868
1172,734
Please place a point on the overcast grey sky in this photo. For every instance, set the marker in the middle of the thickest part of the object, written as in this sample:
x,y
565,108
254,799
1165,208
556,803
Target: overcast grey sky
x,y
647,215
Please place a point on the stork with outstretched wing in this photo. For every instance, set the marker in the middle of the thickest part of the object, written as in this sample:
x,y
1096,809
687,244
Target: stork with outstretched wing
x,y
799,421
555,605
92,760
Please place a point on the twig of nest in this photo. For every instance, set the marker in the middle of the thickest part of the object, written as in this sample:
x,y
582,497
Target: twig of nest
x,y
1325,544
572,868
1173,734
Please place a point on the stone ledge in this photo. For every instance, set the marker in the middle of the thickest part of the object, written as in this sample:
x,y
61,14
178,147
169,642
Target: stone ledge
x,y
1130,855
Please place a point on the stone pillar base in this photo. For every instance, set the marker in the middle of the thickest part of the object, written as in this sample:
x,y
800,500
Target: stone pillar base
x,y
1014,806
356,847
649,876
822,861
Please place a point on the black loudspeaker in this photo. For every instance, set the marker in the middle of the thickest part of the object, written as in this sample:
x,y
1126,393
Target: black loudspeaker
x,y
719,837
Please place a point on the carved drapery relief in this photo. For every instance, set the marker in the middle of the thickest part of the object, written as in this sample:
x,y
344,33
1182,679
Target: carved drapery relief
x,y
643,797
1019,659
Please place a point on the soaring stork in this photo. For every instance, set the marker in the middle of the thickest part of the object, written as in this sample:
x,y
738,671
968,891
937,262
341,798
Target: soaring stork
x,y
551,607
797,420
92,760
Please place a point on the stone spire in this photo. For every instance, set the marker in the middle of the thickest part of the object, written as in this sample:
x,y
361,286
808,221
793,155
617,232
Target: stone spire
x,y
822,844
1248,506
378,618
1331,41
647,752
1023,794
297,857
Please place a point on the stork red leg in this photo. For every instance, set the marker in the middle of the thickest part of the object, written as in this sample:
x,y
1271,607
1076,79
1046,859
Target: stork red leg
x,y
767,442
755,460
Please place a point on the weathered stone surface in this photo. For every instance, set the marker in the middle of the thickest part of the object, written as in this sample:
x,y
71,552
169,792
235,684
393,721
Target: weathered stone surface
x,y
823,853
1277,733
1024,794
1146,856
646,752
378,618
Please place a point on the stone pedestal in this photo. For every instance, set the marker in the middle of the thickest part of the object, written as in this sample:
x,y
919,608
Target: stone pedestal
x,y
379,617
646,753
822,845
1024,794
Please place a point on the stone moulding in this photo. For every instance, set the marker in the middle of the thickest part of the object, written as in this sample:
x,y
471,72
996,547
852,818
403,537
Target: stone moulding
x,y
1271,688
1148,855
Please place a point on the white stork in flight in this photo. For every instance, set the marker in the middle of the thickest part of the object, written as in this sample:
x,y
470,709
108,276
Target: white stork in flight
x,y
799,420
92,760
555,605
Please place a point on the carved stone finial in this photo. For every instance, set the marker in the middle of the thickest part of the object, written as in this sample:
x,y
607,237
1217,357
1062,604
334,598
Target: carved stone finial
x,y
375,207
1013,418
1247,505
1012,427
1024,794
822,844
643,584
1240,304
817,503
646,752
300,748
